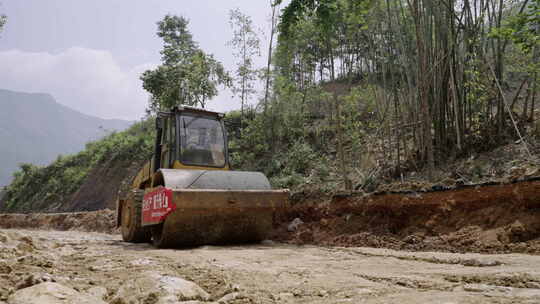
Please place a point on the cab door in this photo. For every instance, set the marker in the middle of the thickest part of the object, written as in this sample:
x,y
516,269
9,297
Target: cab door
x,y
168,142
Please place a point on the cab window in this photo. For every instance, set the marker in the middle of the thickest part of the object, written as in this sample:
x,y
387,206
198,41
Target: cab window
x,y
202,141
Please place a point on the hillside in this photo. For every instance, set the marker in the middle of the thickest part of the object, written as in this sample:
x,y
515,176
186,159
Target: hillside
x,y
35,129
88,180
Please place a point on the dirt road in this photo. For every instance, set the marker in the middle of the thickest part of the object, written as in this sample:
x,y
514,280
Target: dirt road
x,y
96,266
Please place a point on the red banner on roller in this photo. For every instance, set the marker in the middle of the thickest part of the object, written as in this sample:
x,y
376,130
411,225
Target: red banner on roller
x,y
156,206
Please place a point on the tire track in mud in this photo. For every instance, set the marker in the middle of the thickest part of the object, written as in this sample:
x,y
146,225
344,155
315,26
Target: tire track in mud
x,y
469,262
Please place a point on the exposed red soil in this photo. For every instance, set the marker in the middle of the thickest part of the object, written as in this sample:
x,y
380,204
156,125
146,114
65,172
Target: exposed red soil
x,y
497,219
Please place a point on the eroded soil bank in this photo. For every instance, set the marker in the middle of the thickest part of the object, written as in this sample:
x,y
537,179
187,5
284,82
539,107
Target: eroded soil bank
x,y
488,219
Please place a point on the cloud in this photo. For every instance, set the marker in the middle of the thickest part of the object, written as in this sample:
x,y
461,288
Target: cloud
x,y
87,80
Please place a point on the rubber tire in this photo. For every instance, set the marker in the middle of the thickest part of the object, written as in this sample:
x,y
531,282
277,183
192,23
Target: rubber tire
x,y
132,231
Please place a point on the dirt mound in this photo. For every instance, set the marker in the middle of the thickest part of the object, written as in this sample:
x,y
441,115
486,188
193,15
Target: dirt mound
x,y
97,221
495,219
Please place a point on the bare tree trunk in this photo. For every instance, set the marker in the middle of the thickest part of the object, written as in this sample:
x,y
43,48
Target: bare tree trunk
x,y
457,114
269,63
526,103
499,70
339,127
536,55
531,117
423,88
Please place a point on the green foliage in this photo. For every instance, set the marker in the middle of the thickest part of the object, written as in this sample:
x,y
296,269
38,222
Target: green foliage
x,y
478,86
248,148
292,166
328,15
299,166
178,43
44,186
246,45
188,75
523,28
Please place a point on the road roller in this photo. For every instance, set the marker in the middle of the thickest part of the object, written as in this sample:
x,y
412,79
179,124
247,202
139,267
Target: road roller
x,y
186,195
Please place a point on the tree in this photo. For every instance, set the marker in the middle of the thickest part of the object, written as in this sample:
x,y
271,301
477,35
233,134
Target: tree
x,y
523,29
246,45
178,43
187,75
412,84
3,20
273,21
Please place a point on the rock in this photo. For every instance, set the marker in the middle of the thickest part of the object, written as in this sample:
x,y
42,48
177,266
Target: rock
x,y
479,263
486,288
25,247
294,225
476,287
322,293
51,293
33,279
534,285
412,239
162,290
166,300
28,240
185,289
230,297
97,292
141,262
363,291
174,300
285,297
5,268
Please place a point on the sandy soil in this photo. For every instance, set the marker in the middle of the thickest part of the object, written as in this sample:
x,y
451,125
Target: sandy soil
x,y
104,266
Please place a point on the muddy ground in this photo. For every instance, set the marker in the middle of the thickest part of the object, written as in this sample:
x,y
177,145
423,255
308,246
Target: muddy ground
x,y
100,267
469,245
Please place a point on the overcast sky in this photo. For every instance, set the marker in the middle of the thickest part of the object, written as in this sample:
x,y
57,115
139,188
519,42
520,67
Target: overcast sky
x,y
89,54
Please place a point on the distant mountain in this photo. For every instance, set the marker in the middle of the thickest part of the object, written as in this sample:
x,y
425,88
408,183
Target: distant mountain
x,y
34,128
